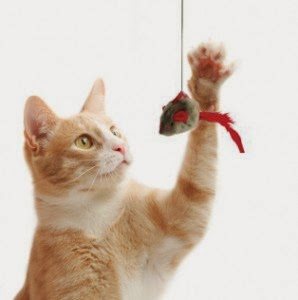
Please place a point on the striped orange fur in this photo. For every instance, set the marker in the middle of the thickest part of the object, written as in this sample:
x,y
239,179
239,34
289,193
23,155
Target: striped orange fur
x,y
101,235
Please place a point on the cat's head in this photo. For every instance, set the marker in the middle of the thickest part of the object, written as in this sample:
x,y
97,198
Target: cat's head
x,y
86,153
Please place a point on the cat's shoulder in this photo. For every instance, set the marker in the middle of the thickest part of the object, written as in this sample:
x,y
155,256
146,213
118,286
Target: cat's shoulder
x,y
139,192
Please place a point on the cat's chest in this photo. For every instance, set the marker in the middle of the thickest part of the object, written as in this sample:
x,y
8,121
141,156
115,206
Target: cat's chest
x,y
144,275
142,280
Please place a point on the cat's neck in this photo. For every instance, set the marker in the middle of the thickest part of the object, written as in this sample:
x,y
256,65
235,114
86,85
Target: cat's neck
x,y
92,213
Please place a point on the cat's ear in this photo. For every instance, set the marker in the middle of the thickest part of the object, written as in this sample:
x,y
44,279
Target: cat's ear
x,y
95,102
39,121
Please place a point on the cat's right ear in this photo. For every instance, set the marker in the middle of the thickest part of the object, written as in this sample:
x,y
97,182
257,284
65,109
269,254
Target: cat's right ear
x,y
39,121
95,102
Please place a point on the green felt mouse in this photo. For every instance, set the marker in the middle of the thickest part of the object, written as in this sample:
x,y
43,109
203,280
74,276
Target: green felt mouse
x,y
179,115
182,114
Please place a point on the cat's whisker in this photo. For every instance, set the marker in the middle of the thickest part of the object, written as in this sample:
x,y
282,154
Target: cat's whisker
x,y
69,181
92,183
90,160
82,174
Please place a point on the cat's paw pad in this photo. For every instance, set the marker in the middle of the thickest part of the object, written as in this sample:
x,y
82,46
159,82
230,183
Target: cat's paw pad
x,y
207,62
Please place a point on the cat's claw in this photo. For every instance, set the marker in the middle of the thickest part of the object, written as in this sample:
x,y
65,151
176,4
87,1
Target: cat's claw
x,y
207,62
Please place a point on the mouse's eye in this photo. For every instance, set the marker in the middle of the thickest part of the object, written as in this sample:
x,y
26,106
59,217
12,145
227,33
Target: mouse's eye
x,y
84,142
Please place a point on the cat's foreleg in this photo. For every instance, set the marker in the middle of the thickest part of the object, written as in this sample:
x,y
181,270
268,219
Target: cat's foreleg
x,y
190,202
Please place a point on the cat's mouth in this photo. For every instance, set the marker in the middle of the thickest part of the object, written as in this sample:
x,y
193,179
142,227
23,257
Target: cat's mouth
x,y
120,167
124,163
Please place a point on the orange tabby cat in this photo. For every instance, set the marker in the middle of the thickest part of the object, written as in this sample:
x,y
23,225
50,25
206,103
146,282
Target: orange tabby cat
x,y
101,235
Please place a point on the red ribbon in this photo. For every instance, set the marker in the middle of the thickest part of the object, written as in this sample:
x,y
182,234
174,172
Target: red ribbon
x,y
226,121
223,119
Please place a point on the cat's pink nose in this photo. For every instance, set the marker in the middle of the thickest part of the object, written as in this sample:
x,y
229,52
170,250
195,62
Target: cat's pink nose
x,y
119,148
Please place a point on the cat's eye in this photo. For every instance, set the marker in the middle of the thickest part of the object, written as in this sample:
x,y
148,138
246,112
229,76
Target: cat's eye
x,y
115,131
84,142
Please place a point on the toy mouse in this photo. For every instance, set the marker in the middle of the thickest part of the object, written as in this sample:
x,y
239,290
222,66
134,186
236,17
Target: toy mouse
x,y
182,114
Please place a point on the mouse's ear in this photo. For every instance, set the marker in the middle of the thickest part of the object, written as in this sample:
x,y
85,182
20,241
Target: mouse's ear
x,y
39,120
95,102
180,116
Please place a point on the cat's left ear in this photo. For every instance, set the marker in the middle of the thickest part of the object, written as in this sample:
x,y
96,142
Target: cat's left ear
x,y
39,122
95,102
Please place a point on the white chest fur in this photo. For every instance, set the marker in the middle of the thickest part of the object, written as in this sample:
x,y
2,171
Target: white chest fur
x,y
145,284
148,281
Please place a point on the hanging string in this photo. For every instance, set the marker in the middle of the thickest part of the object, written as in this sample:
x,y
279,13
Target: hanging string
x,y
181,42
182,115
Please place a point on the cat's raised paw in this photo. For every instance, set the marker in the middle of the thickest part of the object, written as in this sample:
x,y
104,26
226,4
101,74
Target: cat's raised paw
x,y
207,62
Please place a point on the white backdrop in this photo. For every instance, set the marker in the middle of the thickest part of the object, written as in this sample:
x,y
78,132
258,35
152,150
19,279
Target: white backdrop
x,y
57,48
